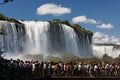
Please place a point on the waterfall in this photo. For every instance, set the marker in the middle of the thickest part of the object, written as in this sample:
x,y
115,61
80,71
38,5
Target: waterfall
x,y
12,37
42,37
110,50
36,37
70,40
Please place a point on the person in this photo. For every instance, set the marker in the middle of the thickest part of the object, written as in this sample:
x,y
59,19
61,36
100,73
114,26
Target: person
x,y
75,69
70,69
21,68
107,69
33,67
64,68
49,69
91,70
95,69
53,68
79,69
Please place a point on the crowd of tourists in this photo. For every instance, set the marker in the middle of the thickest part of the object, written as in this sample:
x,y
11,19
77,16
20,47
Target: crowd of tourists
x,y
43,69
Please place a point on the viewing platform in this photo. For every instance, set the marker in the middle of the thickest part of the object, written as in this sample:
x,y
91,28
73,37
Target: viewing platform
x,y
79,78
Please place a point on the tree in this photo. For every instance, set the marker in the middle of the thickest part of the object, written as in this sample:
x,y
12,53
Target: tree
x,y
52,58
117,59
5,1
105,57
56,20
68,57
35,57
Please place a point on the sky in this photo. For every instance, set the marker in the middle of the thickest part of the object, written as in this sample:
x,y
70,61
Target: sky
x,y
102,17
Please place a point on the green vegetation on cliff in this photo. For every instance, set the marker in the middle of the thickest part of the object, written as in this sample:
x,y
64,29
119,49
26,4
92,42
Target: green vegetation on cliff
x,y
79,28
74,26
55,21
105,44
4,18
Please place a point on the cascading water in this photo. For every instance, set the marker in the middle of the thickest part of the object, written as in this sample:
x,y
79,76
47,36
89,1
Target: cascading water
x,y
12,37
110,50
38,37
70,40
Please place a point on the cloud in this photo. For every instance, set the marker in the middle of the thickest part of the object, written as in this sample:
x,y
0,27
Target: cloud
x,y
92,21
114,39
99,37
53,9
105,26
83,19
